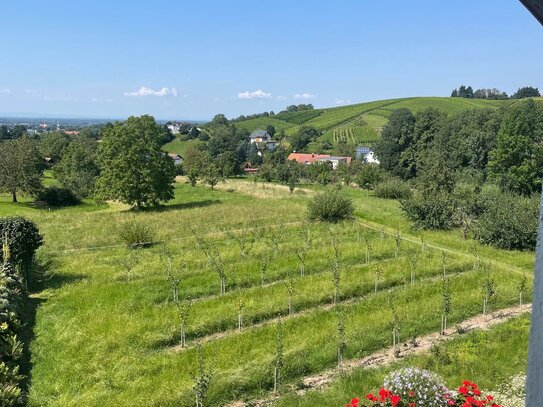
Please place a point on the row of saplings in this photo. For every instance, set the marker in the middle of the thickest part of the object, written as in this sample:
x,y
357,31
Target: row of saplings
x,y
337,206
20,240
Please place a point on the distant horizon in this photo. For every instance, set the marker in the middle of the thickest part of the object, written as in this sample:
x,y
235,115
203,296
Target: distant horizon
x,y
30,115
116,59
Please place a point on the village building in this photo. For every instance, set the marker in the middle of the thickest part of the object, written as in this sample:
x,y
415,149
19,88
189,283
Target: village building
x,y
307,159
366,153
263,140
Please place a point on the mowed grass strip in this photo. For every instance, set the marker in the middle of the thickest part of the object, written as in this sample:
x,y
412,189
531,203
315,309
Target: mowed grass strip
x,y
106,361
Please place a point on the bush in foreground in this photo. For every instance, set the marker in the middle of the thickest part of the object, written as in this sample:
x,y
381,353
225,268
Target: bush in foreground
x,y
393,189
23,238
330,206
136,233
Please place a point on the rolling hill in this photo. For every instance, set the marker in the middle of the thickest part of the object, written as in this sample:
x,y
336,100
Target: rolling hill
x,y
362,122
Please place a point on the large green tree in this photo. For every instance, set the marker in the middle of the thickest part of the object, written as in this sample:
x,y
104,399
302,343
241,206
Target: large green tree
x,y
78,168
517,161
53,145
397,136
135,170
21,167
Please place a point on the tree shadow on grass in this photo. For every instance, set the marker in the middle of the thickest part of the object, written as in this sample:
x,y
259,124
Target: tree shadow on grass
x,y
26,336
184,205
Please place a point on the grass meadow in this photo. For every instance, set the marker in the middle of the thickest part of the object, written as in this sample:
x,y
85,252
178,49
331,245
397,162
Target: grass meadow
x,y
107,328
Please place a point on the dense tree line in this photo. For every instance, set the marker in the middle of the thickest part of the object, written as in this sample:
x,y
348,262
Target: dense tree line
x,y
459,164
467,92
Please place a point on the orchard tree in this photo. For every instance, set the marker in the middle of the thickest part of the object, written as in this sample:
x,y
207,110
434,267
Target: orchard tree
x,y
135,170
194,164
21,167
78,168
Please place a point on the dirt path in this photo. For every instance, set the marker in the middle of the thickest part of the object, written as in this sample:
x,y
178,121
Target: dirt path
x,y
387,356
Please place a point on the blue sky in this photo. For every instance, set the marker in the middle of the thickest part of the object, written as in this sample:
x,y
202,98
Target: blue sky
x,y
191,60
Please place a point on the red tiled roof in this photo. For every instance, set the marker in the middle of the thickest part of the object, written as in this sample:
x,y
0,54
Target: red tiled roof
x,y
306,158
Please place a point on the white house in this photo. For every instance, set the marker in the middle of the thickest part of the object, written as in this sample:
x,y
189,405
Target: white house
x,y
262,138
366,153
371,158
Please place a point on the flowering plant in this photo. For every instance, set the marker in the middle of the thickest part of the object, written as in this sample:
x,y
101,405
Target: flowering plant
x,y
468,395
420,386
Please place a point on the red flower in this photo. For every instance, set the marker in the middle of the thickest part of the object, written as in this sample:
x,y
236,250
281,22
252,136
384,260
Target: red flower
x,y
411,393
411,404
354,402
395,399
463,390
490,398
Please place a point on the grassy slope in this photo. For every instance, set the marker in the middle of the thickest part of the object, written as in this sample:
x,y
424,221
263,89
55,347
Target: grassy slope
x,y
365,119
374,114
102,339
179,147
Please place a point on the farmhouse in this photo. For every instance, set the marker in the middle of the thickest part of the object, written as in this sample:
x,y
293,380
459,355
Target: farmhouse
x,y
177,159
262,139
313,158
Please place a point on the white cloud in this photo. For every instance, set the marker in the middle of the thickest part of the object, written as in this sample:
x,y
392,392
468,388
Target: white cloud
x,y
304,96
32,92
281,98
342,101
6,91
252,95
58,98
102,100
145,91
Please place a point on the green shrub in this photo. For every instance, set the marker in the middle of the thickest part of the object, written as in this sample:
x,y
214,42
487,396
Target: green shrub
x,y
508,221
57,197
393,189
23,239
435,211
368,176
136,233
330,206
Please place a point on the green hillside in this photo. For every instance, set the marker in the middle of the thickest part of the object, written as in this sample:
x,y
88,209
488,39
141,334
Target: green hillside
x,y
362,122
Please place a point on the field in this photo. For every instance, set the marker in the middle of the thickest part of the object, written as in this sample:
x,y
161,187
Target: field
x,y
365,120
180,147
107,331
